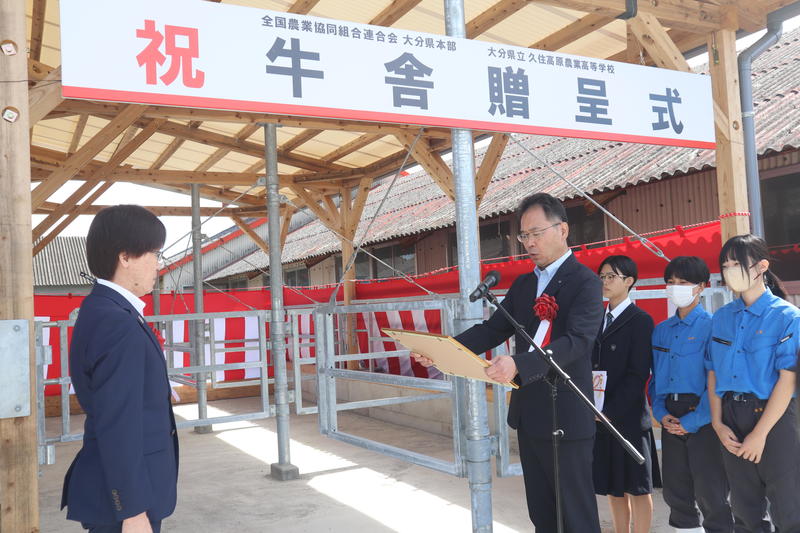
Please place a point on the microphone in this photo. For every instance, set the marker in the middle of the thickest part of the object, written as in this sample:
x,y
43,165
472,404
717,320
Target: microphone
x,y
491,279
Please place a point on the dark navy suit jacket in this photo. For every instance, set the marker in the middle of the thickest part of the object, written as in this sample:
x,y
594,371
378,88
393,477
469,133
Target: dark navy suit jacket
x,y
129,460
578,292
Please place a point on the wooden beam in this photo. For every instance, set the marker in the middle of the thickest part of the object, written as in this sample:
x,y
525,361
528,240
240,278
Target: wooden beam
x,y
302,7
37,28
217,156
160,210
287,220
77,134
19,465
213,193
72,214
126,147
731,178
38,70
299,139
489,164
364,186
572,32
44,96
185,177
256,238
697,16
431,161
494,15
353,146
172,147
394,12
93,147
313,204
659,45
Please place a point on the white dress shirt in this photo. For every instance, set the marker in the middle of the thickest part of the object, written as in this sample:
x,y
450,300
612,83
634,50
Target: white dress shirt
x,y
546,274
134,300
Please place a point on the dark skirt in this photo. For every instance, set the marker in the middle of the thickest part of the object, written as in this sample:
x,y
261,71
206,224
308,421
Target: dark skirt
x,y
616,473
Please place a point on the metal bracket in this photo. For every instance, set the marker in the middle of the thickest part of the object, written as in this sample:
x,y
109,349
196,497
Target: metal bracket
x,y
15,378
631,10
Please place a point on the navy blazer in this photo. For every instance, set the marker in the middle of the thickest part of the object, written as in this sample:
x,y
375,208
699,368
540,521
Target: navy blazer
x,y
129,460
624,350
578,292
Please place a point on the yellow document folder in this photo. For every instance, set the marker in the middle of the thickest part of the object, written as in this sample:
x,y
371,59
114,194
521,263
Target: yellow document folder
x,y
449,355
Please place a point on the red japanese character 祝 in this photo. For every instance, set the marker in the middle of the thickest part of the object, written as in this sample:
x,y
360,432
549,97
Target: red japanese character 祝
x,y
181,55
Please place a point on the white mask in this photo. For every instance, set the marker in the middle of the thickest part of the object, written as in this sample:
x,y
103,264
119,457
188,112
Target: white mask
x,y
738,279
681,295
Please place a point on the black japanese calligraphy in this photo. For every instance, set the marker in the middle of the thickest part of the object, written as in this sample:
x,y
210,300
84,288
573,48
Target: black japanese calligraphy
x,y
409,89
672,96
592,101
508,92
296,71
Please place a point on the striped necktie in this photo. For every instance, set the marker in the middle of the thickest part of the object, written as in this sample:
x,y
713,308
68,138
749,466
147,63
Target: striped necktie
x,y
609,319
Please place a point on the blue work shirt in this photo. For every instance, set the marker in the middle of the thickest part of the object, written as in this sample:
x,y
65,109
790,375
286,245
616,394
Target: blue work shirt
x,y
751,345
679,347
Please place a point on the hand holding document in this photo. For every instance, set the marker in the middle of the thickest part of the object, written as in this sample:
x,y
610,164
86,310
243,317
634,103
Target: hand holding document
x,y
449,355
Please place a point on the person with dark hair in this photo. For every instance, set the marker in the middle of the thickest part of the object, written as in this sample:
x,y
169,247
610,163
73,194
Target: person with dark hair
x,y
693,473
622,351
124,478
560,306
751,362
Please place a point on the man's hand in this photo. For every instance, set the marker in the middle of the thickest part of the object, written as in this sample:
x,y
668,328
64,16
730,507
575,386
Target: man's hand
x,y
137,524
421,359
503,369
752,447
727,438
672,425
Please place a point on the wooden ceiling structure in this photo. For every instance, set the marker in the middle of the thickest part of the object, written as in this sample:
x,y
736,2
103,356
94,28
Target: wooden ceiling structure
x,y
99,143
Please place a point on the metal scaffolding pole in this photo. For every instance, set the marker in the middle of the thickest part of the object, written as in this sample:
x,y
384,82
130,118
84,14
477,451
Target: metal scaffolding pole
x,y
479,449
283,469
198,338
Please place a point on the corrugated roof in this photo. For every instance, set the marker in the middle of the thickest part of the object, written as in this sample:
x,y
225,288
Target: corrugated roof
x,y
416,204
60,263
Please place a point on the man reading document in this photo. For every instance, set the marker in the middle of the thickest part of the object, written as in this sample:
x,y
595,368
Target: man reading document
x,y
570,295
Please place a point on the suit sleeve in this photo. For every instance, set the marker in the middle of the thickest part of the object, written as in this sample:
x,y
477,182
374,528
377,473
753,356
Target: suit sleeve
x,y
491,332
117,381
628,393
584,315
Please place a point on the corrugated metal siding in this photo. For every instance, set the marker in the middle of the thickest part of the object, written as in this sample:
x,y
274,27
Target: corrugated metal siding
x,y
60,263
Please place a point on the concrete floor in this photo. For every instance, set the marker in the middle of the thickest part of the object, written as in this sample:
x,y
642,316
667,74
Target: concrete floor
x,y
224,484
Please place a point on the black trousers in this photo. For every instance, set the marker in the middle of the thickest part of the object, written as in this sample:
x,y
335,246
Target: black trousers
x,y
692,471
117,528
777,476
579,504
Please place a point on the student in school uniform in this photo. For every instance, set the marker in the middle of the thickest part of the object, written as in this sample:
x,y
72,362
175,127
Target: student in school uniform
x,y
693,473
752,360
623,351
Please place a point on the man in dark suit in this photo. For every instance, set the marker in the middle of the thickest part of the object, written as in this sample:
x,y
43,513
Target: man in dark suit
x,y
577,291
124,478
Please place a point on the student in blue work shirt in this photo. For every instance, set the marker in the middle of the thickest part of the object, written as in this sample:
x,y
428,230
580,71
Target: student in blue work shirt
x,y
752,360
691,455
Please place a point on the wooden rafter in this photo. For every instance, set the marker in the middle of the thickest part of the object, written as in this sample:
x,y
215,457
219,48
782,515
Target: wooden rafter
x,y
312,202
489,164
394,12
250,232
77,134
37,28
659,45
126,147
572,32
353,146
72,214
287,220
172,147
493,16
213,193
299,139
431,161
692,15
178,177
93,147
44,96
220,153
160,210
301,7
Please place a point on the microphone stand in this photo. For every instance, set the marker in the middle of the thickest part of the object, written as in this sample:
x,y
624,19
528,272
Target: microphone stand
x,y
559,374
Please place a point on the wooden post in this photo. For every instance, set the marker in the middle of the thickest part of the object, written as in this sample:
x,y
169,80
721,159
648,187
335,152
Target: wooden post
x,y
19,488
348,231
731,178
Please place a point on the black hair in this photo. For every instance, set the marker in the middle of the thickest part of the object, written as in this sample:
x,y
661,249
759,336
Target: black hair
x,y
552,206
622,265
690,268
748,250
121,228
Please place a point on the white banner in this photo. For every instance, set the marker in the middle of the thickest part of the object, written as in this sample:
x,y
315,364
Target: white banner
x,y
219,56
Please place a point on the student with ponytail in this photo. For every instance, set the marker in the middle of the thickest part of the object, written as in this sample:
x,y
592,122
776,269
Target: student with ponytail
x,y
752,360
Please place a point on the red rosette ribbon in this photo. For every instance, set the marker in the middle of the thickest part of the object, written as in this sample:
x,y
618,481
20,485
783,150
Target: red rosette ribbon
x,y
157,333
545,307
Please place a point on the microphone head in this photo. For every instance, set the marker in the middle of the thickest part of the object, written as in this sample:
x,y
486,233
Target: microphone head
x,y
492,278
